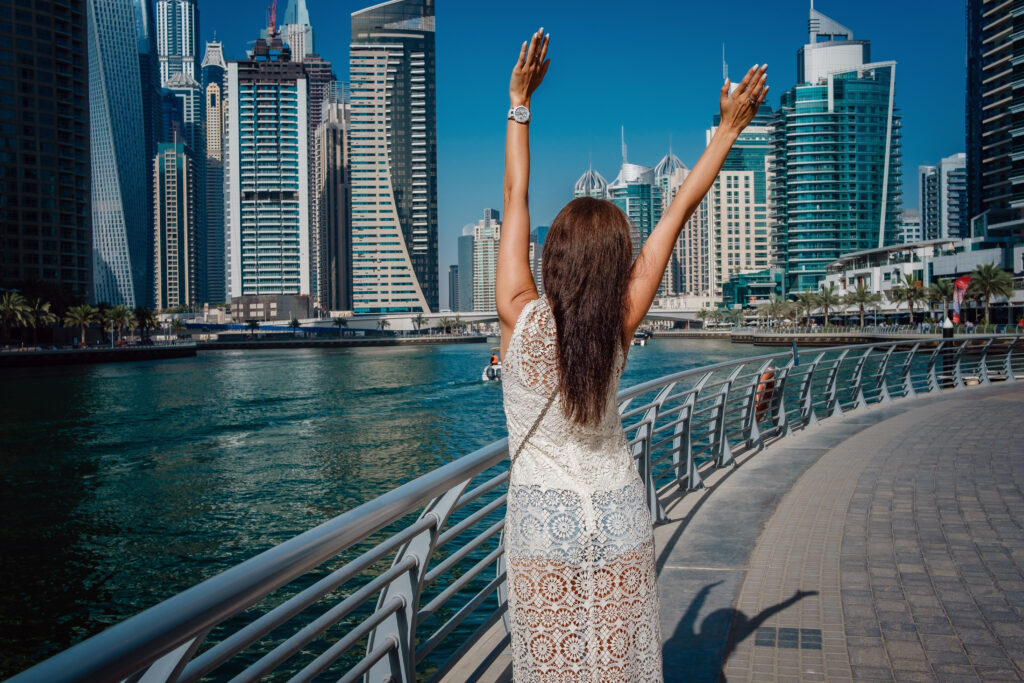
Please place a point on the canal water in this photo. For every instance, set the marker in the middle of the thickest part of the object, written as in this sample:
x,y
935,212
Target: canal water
x,y
124,484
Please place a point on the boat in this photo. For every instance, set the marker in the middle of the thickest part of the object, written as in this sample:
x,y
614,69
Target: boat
x,y
492,372
640,338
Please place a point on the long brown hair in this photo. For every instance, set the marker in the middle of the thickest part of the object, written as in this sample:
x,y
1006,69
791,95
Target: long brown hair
x,y
588,254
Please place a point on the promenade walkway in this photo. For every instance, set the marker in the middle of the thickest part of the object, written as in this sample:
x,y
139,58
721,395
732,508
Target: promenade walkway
x,y
884,544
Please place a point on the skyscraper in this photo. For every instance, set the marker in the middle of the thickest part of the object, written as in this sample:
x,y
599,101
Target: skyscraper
x,y
453,288
177,38
591,184
191,131
669,175
692,253
466,269
296,31
394,178
332,234
943,189
738,236
486,236
174,226
995,129
636,191
45,232
121,222
213,72
267,207
319,81
910,226
825,201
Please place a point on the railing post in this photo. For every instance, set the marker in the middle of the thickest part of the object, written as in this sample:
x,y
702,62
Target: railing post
x,y
908,382
832,406
933,379
983,362
780,421
751,433
1008,361
881,381
722,453
807,416
642,453
957,372
401,626
170,666
683,440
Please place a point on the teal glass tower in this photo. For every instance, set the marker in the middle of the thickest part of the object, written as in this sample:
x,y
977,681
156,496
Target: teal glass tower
x,y
835,168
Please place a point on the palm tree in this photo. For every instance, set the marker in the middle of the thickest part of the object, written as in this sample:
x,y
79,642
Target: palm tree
x,y
862,297
805,304
942,290
987,282
776,308
14,310
828,297
736,316
702,315
252,326
444,323
118,317
146,319
383,324
131,322
40,315
418,320
457,323
295,325
909,291
178,326
81,316
340,323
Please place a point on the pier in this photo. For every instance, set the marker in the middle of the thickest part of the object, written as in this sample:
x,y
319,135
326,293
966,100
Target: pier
x,y
859,518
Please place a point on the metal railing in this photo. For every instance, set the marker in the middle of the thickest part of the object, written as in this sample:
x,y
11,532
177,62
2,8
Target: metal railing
x,y
404,586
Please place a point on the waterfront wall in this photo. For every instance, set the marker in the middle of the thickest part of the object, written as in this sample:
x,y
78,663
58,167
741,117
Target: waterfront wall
x,y
345,342
22,359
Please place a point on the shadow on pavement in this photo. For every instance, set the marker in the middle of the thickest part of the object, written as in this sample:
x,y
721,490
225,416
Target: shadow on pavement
x,y
706,651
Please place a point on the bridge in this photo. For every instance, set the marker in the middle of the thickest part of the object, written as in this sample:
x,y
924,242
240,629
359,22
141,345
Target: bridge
x,y
862,518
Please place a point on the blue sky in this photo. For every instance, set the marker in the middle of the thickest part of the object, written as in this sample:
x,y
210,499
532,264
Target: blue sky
x,y
653,67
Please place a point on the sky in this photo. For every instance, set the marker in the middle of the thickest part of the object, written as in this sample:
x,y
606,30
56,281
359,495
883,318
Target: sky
x,y
654,67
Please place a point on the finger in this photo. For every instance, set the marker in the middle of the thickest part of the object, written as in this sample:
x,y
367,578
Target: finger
x,y
543,70
522,56
764,93
756,86
533,49
725,88
742,88
544,48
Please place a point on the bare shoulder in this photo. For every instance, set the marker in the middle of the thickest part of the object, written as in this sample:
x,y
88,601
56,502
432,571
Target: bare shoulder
x,y
510,316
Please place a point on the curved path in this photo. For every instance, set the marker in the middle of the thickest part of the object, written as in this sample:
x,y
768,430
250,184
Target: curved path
x,y
884,544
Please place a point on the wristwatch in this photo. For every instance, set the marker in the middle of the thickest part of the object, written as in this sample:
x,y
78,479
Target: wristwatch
x,y
519,114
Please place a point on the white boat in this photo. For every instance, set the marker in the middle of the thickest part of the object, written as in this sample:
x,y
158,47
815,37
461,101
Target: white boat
x,y
492,373
639,339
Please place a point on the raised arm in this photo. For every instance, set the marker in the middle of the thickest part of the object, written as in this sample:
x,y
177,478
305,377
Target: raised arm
x,y
738,109
514,285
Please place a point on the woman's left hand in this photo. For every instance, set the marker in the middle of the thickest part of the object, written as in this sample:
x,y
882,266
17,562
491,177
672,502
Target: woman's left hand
x,y
530,69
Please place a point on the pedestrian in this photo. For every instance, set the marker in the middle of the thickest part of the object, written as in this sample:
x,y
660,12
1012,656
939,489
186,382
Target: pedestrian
x,y
579,549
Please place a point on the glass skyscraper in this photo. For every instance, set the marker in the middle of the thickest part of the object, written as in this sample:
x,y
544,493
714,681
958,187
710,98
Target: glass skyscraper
x,y
466,269
174,228
332,235
266,162
393,152
835,185
213,72
177,38
122,223
297,31
45,231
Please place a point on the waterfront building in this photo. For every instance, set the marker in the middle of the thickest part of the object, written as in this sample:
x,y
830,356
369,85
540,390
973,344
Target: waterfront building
x,y
486,236
591,184
319,81
453,288
825,201
910,227
692,254
267,187
394,158
995,38
538,237
943,189
270,307
177,44
297,32
751,288
466,252
738,231
669,174
149,77
214,69
121,223
175,226
332,234
45,221
636,191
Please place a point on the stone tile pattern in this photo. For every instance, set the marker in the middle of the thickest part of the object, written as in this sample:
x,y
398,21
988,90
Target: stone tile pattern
x,y
912,533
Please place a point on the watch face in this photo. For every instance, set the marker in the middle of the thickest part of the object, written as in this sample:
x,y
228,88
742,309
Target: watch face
x,y
521,114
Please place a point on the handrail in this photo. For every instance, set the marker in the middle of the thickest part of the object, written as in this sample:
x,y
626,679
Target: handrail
x,y
371,578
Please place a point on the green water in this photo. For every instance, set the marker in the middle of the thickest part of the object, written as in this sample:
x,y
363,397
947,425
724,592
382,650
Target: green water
x,y
127,483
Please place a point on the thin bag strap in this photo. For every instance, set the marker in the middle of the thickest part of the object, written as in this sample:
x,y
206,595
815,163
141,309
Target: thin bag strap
x,y
533,428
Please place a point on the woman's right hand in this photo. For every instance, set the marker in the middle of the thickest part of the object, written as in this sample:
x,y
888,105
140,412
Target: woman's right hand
x,y
740,106
529,70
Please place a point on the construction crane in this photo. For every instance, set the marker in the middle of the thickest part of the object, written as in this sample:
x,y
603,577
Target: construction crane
x,y
272,18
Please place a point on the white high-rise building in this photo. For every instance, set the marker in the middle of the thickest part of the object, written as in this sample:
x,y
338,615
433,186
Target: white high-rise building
x,y
297,31
393,138
669,174
486,236
943,198
910,227
177,31
267,188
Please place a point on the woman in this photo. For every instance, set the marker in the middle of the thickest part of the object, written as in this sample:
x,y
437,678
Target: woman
x,y
579,548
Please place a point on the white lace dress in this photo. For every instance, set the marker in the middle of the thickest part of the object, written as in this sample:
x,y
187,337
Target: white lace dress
x,y
582,590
